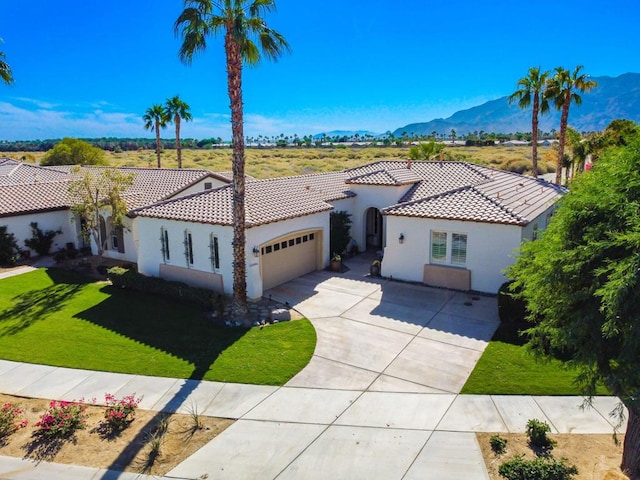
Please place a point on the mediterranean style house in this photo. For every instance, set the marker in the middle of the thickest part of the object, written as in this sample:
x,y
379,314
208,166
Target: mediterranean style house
x,y
447,224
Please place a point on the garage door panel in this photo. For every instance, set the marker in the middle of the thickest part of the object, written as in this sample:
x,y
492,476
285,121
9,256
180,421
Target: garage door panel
x,y
288,258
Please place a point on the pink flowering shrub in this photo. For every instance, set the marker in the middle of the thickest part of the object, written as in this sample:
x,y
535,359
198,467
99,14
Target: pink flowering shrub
x,y
9,419
62,418
120,413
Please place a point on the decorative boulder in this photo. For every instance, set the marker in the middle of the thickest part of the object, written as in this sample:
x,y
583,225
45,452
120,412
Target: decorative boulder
x,y
280,315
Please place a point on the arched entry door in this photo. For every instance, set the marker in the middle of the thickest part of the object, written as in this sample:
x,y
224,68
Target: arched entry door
x,y
373,229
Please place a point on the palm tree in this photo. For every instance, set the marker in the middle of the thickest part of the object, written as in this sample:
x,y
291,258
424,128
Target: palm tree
x,y
562,89
155,118
246,39
5,69
531,89
175,110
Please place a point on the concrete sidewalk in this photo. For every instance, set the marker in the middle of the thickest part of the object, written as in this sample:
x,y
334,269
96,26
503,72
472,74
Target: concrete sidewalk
x,y
307,433
379,399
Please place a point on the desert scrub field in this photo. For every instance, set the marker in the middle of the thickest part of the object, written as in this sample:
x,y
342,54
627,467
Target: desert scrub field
x,y
278,162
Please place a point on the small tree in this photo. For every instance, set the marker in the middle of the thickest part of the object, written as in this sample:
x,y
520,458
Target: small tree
x,y
340,231
71,151
95,191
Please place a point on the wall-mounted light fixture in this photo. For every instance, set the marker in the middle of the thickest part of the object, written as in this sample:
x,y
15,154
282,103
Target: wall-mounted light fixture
x,y
401,239
256,252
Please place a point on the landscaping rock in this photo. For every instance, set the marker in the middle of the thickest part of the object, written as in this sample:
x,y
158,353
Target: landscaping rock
x,y
280,315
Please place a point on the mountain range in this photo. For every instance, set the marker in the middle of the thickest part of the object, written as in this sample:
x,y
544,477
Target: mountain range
x,y
613,98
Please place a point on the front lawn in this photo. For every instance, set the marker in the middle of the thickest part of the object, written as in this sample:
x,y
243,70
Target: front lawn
x,y
55,317
507,368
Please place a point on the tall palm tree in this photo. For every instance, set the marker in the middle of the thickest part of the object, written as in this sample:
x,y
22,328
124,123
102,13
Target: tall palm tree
x,y
562,88
155,118
531,89
5,69
246,39
175,110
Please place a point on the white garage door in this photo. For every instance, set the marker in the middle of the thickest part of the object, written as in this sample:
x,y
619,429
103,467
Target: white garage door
x,y
288,257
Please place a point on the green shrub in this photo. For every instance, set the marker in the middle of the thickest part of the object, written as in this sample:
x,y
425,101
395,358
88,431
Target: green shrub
x,y
537,433
128,278
41,241
539,468
498,444
9,250
511,308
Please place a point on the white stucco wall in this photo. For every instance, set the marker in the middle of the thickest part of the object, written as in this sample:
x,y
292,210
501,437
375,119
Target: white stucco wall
x,y
20,227
150,248
489,249
199,187
257,236
150,253
129,236
368,196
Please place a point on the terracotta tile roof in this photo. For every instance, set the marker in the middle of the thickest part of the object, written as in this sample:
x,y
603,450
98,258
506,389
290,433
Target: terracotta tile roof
x,y
493,196
396,176
31,198
150,185
13,172
266,201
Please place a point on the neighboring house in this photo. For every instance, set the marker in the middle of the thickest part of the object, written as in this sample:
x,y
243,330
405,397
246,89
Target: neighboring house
x,y
30,193
448,224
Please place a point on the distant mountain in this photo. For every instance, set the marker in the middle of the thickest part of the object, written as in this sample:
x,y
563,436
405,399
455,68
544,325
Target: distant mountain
x,y
614,97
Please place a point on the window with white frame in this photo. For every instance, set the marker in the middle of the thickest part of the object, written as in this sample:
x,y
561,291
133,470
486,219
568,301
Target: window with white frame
x,y
215,252
448,248
188,247
164,245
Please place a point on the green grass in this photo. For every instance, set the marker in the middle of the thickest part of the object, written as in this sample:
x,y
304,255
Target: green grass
x,y
507,368
54,317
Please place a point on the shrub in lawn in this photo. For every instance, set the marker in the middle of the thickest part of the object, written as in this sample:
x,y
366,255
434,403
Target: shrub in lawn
x,y
10,419
62,419
537,433
120,413
498,444
540,468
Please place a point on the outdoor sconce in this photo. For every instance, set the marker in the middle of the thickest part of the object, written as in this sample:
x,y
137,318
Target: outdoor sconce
x,y
256,252
401,239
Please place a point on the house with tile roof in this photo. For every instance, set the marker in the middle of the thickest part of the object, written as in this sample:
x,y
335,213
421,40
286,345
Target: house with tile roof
x,y
448,224
30,193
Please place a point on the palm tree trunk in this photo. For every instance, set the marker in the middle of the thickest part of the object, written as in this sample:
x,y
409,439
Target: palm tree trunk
x,y
631,452
178,145
534,135
564,119
234,79
158,144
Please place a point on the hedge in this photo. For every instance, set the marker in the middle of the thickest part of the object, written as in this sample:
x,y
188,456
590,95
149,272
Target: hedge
x,y
127,278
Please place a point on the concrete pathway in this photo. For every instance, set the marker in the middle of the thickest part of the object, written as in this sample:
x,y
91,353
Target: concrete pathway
x,y
379,399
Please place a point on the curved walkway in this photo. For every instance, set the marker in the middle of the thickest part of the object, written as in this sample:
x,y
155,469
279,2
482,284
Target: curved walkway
x,y
379,399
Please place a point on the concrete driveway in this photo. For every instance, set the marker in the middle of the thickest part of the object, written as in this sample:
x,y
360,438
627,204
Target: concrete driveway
x,y
382,336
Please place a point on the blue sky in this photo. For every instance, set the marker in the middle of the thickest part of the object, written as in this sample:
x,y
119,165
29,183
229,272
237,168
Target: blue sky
x,y
84,68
